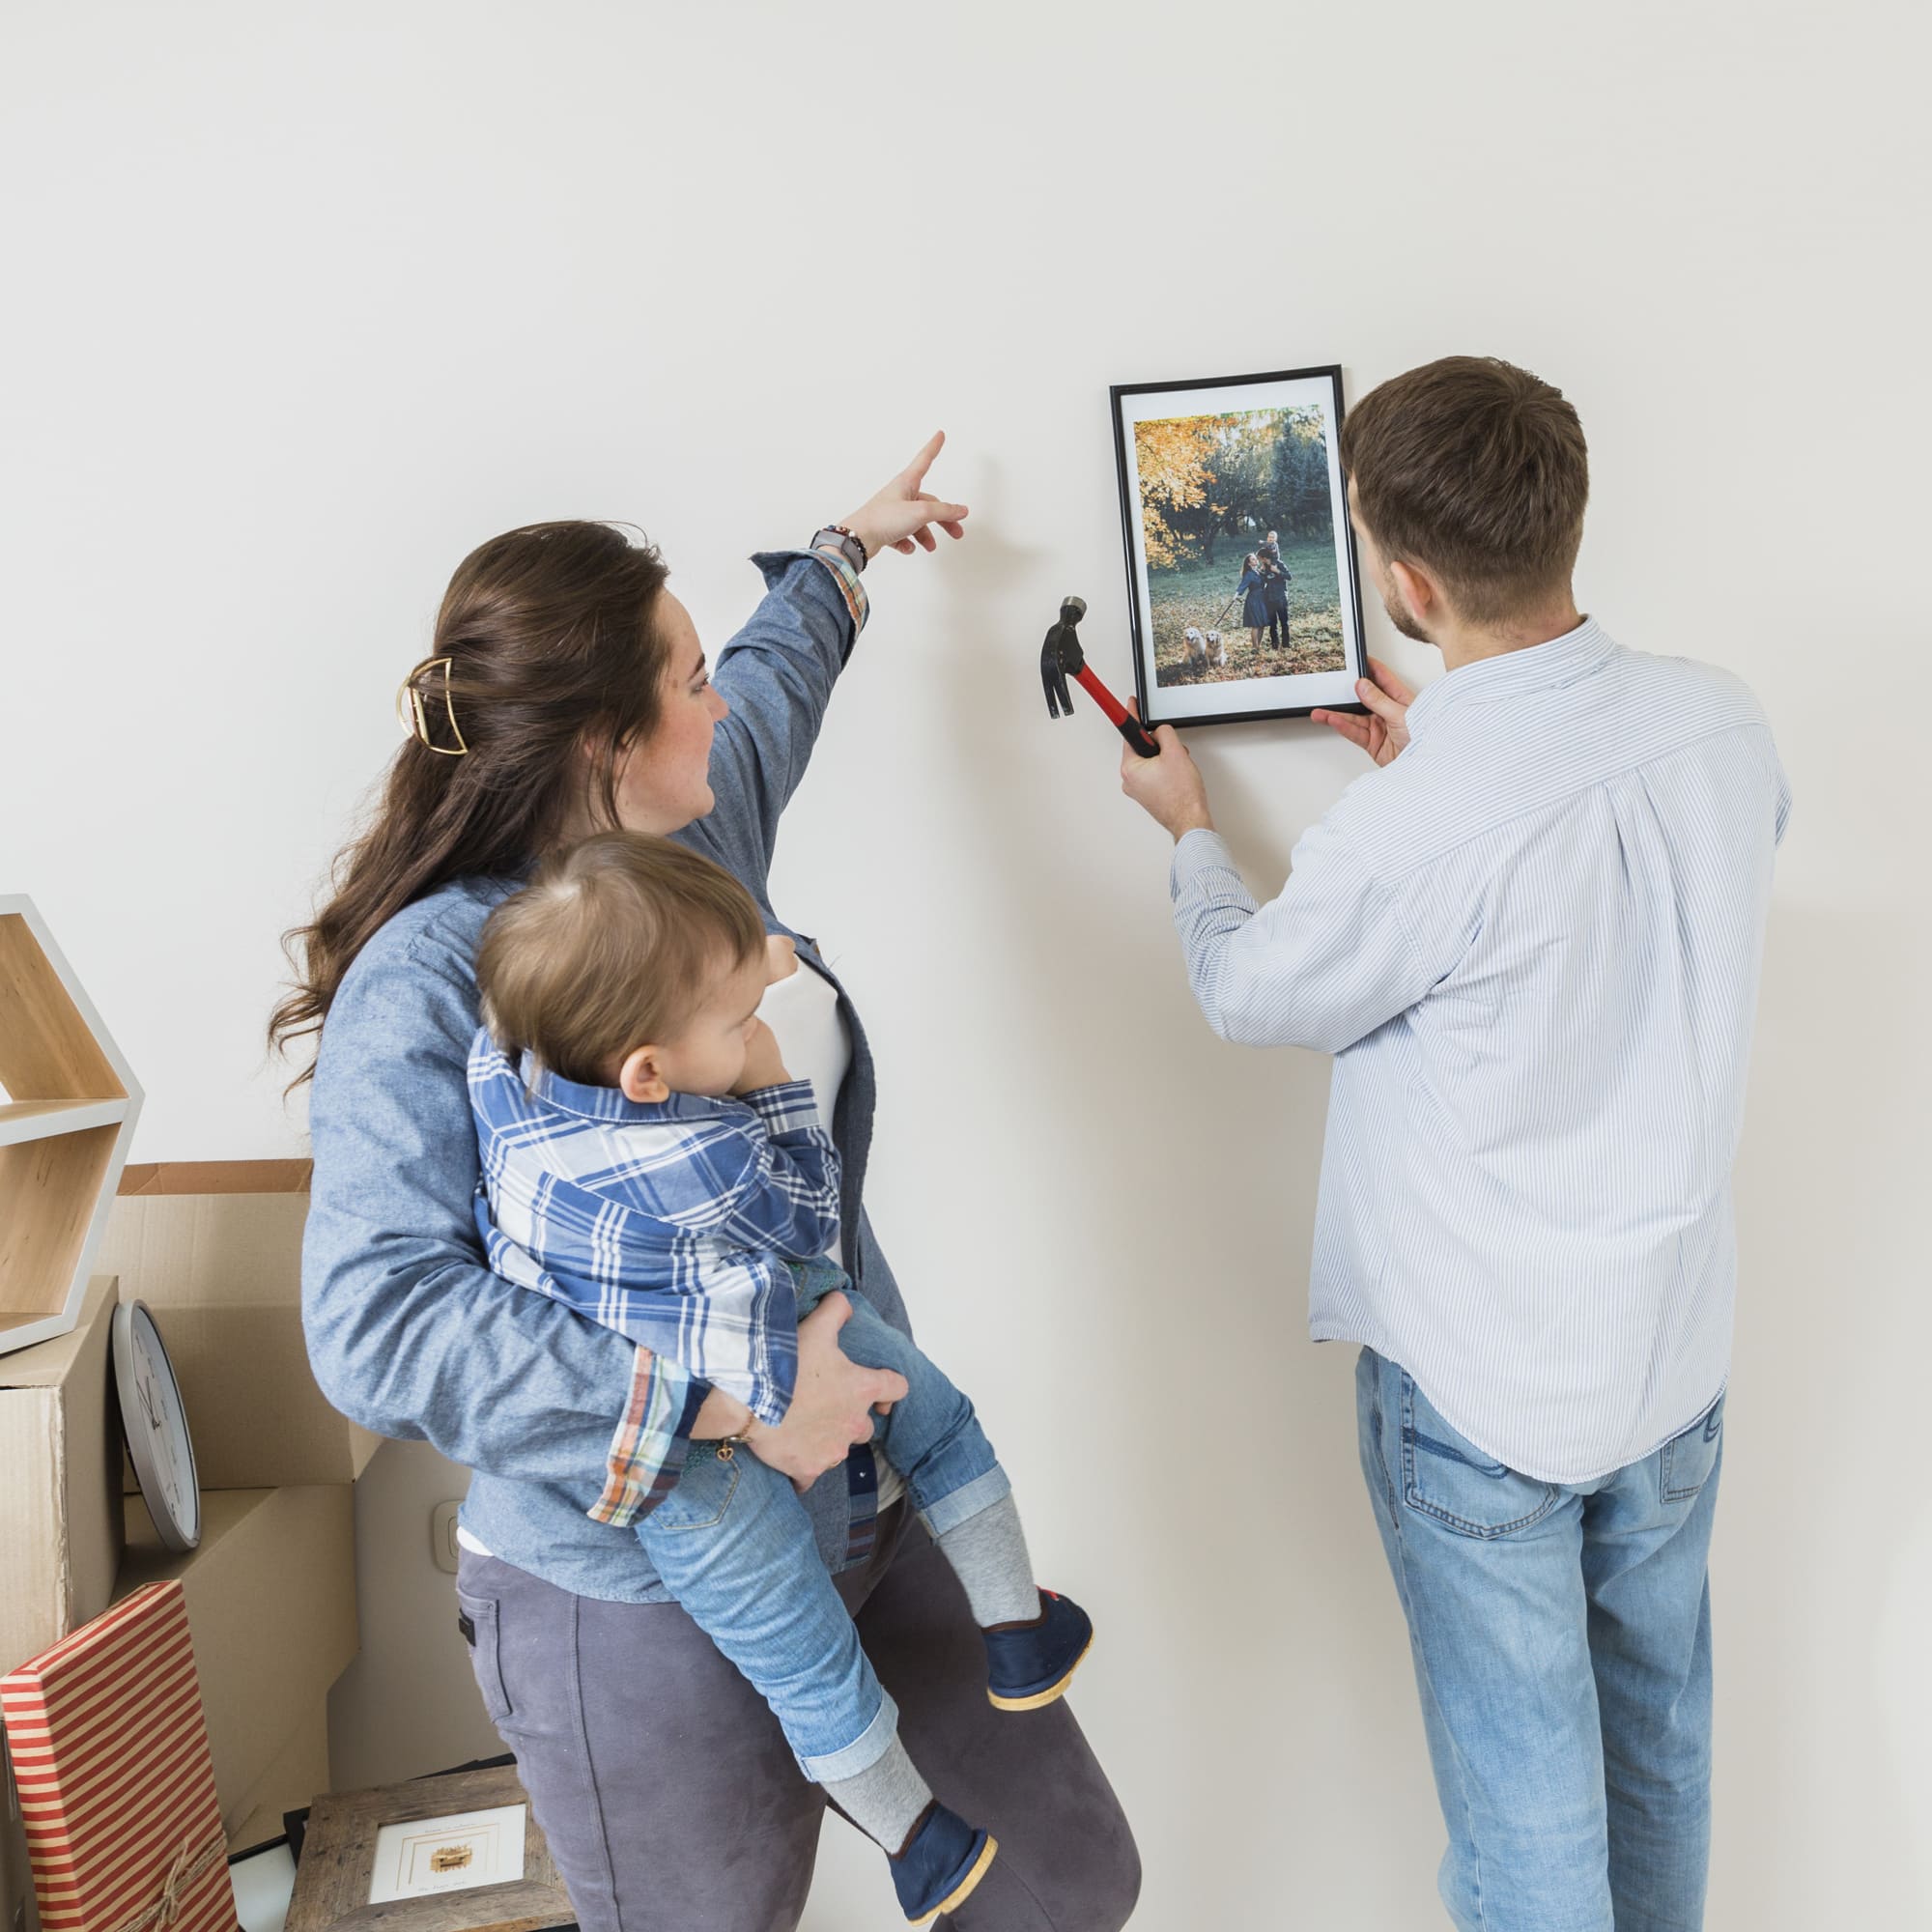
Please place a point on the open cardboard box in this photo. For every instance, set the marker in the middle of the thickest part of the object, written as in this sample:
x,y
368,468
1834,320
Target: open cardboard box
x,y
18,1907
298,1775
215,1250
59,1482
272,1609
60,1506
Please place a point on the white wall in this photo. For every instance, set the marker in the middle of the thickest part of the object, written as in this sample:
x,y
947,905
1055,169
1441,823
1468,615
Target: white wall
x,y
306,300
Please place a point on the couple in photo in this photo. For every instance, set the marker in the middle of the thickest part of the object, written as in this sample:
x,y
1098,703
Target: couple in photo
x,y
1264,592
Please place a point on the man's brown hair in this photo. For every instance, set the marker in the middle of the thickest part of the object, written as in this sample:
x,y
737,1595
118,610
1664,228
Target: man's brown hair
x,y
615,941
1476,470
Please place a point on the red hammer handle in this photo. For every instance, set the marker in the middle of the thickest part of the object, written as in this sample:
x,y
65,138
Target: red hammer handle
x,y
1122,718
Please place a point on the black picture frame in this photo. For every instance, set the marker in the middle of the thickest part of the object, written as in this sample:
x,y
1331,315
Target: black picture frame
x,y
1149,688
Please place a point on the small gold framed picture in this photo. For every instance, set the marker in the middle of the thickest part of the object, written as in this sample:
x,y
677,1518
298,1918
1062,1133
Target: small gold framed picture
x,y
462,1853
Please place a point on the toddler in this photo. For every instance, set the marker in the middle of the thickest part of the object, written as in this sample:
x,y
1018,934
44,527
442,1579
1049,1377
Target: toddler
x,y
647,1160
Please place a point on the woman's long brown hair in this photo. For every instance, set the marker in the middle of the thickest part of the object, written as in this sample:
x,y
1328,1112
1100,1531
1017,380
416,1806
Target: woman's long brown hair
x,y
551,645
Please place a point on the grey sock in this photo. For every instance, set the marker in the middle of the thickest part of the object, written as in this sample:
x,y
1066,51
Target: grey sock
x,y
988,1555
885,1799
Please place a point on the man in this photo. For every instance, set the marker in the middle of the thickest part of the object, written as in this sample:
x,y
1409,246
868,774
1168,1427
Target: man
x,y
1532,939
1274,589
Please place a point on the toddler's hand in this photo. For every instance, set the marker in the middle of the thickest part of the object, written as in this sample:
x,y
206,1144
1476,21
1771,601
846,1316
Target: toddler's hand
x,y
764,1065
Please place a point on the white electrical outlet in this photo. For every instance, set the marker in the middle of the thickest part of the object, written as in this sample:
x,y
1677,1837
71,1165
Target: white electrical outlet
x,y
442,1542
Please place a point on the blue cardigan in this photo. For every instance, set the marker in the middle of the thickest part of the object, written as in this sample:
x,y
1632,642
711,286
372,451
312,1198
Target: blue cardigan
x,y
408,1332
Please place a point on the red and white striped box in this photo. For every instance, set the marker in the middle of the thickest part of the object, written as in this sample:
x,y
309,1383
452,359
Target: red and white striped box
x,y
116,1789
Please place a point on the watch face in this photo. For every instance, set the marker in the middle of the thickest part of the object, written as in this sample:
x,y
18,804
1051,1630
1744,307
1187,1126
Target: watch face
x,y
157,1428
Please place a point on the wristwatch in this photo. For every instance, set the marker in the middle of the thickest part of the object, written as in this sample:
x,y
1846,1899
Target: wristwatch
x,y
836,536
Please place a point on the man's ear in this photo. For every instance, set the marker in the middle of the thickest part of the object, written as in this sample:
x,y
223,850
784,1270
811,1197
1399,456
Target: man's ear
x,y
640,1079
1420,593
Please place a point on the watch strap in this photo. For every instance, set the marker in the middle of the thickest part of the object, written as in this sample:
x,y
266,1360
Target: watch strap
x,y
836,536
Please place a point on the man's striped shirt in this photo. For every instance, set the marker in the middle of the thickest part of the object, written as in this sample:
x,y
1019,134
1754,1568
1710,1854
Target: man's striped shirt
x,y
1532,942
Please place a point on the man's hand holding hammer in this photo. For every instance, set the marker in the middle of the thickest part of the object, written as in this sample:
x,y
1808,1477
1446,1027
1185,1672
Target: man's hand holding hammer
x,y
1171,789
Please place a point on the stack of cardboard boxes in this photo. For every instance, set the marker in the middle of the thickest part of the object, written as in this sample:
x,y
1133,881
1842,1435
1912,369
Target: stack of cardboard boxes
x,y
215,1250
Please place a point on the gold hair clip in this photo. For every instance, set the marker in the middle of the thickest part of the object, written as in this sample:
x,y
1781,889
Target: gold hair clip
x,y
417,719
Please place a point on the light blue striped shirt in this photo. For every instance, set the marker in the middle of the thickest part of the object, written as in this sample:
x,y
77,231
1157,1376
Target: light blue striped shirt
x,y
1532,943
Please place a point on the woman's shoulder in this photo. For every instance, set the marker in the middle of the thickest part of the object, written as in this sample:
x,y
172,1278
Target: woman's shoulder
x,y
408,1001
433,937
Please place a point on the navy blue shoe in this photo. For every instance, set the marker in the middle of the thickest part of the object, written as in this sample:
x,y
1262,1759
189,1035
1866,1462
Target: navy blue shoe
x,y
1030,1665
939,1865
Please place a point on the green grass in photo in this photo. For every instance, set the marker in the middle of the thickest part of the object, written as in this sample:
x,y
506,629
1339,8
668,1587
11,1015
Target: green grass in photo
x,y
1194,592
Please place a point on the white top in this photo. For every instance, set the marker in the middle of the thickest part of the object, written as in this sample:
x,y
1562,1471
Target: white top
x,y
1531,943
802,1010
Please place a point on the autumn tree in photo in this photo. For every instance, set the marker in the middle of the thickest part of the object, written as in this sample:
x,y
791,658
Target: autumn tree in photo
x,y
1172,456
1207,478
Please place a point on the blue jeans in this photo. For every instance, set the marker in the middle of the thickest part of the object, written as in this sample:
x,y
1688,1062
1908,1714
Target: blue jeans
x,y
734,1547
1562,1645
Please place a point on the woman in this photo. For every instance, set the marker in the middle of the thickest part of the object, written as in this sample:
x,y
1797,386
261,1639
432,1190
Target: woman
x,y
567,691
1253,590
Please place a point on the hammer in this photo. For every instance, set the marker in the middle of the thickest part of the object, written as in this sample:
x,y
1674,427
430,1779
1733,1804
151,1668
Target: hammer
x,y
1060,658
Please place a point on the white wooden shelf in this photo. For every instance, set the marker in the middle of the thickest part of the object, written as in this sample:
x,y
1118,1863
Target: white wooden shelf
x,y
68,1107
23,1121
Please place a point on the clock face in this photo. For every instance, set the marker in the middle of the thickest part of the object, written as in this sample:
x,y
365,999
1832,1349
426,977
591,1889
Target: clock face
x,y
157,1428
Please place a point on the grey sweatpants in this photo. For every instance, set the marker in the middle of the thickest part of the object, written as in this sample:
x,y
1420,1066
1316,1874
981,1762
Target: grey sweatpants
x,y
671,1800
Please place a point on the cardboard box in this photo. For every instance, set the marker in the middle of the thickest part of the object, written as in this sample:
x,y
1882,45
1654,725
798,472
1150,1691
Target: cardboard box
x,y
272,1605
299,1775
18,1907
60,1483
215,1250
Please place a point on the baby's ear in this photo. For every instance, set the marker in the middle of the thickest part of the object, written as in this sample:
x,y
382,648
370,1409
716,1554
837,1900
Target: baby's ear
x,y
640,1080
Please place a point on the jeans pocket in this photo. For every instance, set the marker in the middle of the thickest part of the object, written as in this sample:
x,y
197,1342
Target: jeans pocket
x,y
703,1493
1445,1476
477,1620
1685,1463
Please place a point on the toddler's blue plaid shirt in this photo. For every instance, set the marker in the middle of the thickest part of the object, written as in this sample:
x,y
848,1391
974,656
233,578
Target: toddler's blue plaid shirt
x,y
670,1222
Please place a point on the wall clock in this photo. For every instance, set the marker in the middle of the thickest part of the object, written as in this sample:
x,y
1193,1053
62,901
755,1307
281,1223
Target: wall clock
x,y
156,1426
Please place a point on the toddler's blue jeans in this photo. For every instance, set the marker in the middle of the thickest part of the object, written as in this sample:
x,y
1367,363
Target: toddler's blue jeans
x,y
734,1547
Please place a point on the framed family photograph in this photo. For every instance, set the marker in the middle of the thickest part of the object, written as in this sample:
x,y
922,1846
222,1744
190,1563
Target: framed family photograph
x,y
1241,573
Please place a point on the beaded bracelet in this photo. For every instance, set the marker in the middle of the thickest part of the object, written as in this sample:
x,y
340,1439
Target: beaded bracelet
x,y
849,537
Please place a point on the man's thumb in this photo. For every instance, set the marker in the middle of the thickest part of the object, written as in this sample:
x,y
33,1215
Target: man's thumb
x,y
1379,701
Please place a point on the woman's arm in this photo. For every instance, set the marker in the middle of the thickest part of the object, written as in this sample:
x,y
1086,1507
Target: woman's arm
x,y
777,673
822,1424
